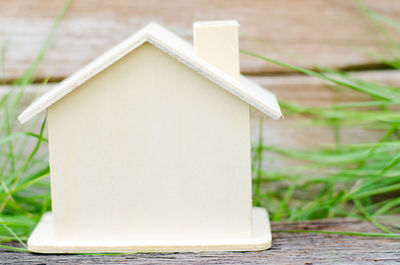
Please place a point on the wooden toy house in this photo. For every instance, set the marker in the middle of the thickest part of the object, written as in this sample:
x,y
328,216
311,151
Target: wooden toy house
x,y
149,148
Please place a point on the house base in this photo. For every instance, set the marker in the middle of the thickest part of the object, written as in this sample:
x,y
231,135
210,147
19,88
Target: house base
x,y
42,241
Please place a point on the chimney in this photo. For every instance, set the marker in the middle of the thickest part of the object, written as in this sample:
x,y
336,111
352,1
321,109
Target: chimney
x,y
217,42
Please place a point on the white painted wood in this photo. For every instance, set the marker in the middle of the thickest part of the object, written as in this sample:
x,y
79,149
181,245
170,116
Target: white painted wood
x,y
177,48
149,149
217,42
43,241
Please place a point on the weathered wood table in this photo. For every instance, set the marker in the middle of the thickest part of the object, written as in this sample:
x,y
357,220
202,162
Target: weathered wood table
x,y
272,28
331,34
287,248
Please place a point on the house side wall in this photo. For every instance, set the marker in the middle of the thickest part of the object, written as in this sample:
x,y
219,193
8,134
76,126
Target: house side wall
x,y
149,149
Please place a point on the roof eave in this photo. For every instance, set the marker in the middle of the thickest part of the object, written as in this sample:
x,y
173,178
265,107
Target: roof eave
x,y
245,89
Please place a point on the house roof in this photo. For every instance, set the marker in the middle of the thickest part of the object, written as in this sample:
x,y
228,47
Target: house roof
x,y
176,47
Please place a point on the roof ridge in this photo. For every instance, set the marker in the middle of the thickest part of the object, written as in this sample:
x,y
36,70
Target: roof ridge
x,y
167,41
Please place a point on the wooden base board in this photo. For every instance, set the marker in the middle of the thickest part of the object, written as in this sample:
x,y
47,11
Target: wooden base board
x,y
42,241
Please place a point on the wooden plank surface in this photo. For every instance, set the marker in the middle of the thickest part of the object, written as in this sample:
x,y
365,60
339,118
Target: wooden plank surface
x,y
331,33
287,248
297,89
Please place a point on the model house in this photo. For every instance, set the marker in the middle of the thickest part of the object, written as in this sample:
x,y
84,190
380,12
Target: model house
x,y
149,148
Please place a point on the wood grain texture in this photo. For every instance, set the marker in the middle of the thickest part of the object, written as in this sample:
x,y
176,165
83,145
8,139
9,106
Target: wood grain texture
x,y
331,33
287,248
314,92
298,89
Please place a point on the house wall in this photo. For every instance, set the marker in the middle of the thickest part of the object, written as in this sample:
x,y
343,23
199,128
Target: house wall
x,y
149,149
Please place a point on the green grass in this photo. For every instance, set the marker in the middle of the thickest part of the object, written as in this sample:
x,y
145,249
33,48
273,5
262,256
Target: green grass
x,y
24,169
360,180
